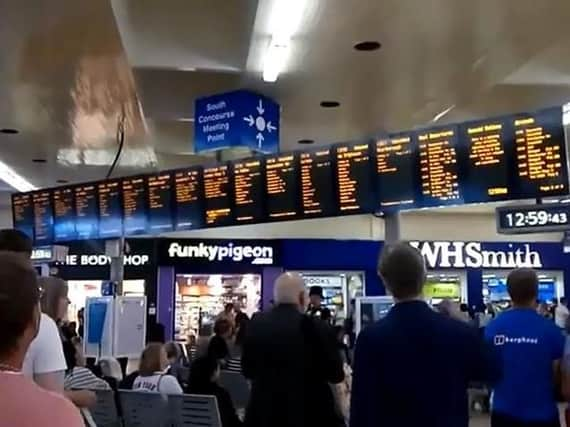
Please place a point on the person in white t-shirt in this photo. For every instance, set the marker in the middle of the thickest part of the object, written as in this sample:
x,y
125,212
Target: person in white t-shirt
x,y
151,372
561,314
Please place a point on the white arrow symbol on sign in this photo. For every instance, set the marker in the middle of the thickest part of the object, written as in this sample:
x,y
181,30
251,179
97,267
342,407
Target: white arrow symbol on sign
x,y
260,108
260,139
250,120
270,127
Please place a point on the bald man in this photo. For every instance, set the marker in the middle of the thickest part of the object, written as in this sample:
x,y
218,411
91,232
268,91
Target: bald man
x,y
291,359
413,367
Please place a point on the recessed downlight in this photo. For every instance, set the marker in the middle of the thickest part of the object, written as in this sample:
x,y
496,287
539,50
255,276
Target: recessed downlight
x,y
9,131
306,141
330,104
367,46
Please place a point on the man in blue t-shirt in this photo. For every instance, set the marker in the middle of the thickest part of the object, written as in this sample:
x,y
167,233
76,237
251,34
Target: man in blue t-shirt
x,y
530,348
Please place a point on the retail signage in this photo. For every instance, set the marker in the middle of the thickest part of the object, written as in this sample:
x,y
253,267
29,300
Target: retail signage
x,y
449,254
229,252
236,119
324,281
208,252
101,260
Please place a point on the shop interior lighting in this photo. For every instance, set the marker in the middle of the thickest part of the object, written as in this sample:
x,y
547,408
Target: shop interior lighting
x,y
285,18
15,180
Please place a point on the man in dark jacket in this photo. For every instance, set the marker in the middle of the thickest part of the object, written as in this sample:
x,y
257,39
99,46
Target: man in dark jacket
x,y
290,359
413,367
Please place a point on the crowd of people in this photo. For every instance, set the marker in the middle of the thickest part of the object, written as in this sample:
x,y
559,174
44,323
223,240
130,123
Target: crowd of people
x,y
412,368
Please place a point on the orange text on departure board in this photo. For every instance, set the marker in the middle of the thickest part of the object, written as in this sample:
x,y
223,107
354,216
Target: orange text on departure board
x,y
438,160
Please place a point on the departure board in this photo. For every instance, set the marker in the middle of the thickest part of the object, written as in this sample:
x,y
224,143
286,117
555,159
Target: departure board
x,y
23,213
159,191
487,144
282,186
134,205
317,192
86,211
188,194
63,214
43,217
396,171
110,209
354,178
248,191
540,153
217,197
438,166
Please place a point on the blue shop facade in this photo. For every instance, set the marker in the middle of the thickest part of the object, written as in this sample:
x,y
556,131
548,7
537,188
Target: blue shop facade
x,y
183,277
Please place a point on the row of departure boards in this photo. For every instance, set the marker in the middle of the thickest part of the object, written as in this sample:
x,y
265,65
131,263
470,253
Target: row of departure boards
x,y
520,156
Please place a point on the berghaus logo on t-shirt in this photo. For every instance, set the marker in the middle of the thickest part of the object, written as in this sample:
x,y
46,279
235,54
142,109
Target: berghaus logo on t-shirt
x,y
504,339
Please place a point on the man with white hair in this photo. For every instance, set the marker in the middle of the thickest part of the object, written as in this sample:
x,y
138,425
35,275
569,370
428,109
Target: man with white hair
x,y
291,359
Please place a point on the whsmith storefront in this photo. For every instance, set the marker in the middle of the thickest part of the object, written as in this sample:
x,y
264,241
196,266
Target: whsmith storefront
x,y
188,281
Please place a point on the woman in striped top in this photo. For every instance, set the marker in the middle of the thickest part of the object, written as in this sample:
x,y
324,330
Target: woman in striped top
x,y
78,377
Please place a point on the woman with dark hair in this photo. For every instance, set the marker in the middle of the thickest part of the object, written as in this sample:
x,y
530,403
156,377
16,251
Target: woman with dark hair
x,y
218,347
78,377
151,372
54,298
204,374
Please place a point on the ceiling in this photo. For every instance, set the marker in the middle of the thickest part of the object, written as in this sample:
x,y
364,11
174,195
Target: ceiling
x,y
69,70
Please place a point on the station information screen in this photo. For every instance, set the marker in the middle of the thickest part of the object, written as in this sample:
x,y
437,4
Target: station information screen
x,y
487,144
540,153
63,214
396,170
354,178
23,213
248,191
188,194
317,192
43,217
282,181
110,209
159,191
86,212
438,166
217,196
134,205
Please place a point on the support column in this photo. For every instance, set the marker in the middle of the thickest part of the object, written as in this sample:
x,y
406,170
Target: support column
x,y
391,227
116,250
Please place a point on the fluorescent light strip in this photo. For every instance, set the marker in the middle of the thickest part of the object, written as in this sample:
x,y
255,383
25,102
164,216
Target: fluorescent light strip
x,y
285,19
439,116
13,179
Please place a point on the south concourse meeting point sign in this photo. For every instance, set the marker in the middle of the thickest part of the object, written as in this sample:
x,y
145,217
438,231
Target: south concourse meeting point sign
x,y
236,119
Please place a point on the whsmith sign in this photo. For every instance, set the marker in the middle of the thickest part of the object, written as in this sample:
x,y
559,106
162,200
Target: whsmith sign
x,y
446,254
236,119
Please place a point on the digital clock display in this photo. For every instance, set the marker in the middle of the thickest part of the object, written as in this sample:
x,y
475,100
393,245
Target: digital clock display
x,y
533,218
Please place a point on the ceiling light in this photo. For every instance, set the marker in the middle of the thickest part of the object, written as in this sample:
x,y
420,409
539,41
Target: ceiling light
x,y
62,181
306,141
13,179
443,113
9,131
185,119
284,20
330,104
367,45
39,160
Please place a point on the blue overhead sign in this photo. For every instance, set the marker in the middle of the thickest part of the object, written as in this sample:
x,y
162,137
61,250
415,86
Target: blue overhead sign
x,y
236,119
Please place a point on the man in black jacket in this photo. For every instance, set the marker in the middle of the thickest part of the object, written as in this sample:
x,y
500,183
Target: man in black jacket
x,y
413,367
291,359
